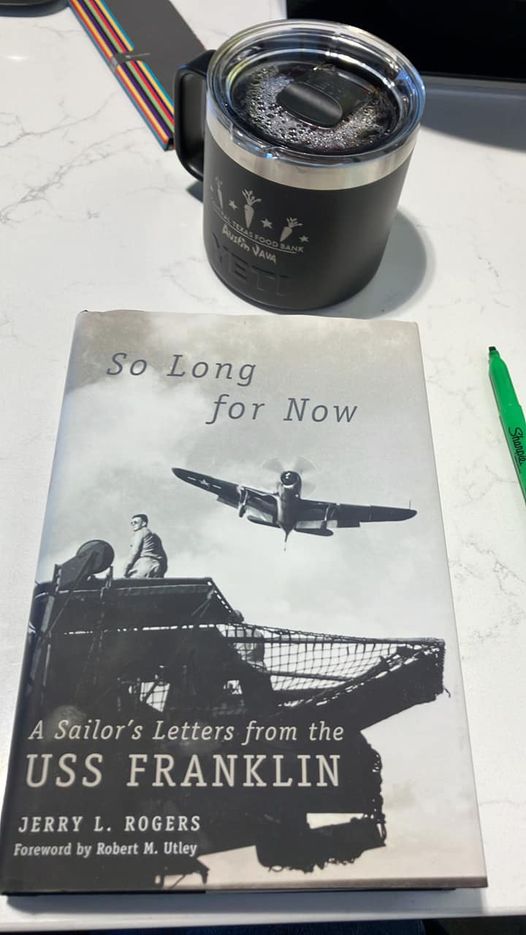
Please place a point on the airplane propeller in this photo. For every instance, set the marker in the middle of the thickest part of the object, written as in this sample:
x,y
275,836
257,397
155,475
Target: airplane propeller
x,y
301,466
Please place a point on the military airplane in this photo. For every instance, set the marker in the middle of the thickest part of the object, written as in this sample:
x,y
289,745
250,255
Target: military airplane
x,y
286,509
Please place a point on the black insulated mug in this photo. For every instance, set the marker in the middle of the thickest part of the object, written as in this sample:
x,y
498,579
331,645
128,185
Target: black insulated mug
x,y
302,133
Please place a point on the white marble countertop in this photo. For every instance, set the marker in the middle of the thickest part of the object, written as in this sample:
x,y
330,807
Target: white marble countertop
x,y
94,215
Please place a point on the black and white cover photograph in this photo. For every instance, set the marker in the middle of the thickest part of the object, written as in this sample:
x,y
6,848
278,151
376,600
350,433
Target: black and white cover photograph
x,y
241,668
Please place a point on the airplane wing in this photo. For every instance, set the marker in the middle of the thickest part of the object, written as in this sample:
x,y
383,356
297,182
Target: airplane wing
x,y
228,493
345,515
348,514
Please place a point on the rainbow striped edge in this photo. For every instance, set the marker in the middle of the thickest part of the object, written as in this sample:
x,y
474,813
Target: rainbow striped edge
x,y
135,84
161,90
135,72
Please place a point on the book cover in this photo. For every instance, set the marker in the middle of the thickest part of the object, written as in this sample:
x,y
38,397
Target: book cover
x,y
242,668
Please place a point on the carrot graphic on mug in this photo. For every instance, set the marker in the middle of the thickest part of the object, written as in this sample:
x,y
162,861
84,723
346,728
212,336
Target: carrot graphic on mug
x,y
289,227
219,186
248,195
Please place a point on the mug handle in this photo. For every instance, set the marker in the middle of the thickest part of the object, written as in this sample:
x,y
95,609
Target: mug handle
x,y
189,106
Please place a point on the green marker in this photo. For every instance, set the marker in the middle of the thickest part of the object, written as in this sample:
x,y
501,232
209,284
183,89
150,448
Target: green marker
x,y
510,412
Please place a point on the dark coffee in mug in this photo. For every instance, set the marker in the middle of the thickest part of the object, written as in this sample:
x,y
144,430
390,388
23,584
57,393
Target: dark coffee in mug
x,y
260,103
303,150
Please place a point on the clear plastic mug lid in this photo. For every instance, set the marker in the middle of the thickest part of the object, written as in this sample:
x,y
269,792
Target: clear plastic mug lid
x,y
315,88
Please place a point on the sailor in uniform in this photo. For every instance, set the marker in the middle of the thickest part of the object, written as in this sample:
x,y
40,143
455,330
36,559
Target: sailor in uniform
x,y
147,558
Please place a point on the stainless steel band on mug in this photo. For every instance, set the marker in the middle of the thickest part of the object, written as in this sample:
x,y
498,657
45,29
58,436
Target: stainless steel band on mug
x,y
321,177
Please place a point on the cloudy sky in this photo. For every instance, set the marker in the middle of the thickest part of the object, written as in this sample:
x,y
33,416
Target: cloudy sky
x,y
121,434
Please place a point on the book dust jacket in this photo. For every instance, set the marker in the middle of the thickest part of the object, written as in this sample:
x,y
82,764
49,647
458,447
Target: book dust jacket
x,y
242,668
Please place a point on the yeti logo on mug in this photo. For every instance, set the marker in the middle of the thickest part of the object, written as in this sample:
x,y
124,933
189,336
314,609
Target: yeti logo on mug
x,y
308,134
265,282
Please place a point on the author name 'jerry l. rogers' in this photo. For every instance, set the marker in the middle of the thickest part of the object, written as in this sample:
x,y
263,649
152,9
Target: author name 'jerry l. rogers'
x,y
60,824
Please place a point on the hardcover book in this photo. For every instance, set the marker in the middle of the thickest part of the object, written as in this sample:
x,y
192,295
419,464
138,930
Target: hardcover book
x,y
242,668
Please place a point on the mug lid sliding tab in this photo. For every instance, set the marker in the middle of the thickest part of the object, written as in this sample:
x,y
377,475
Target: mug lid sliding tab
x,y
322,97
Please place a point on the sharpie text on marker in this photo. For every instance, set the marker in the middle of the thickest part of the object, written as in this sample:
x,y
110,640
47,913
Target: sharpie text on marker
x,y
510,412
